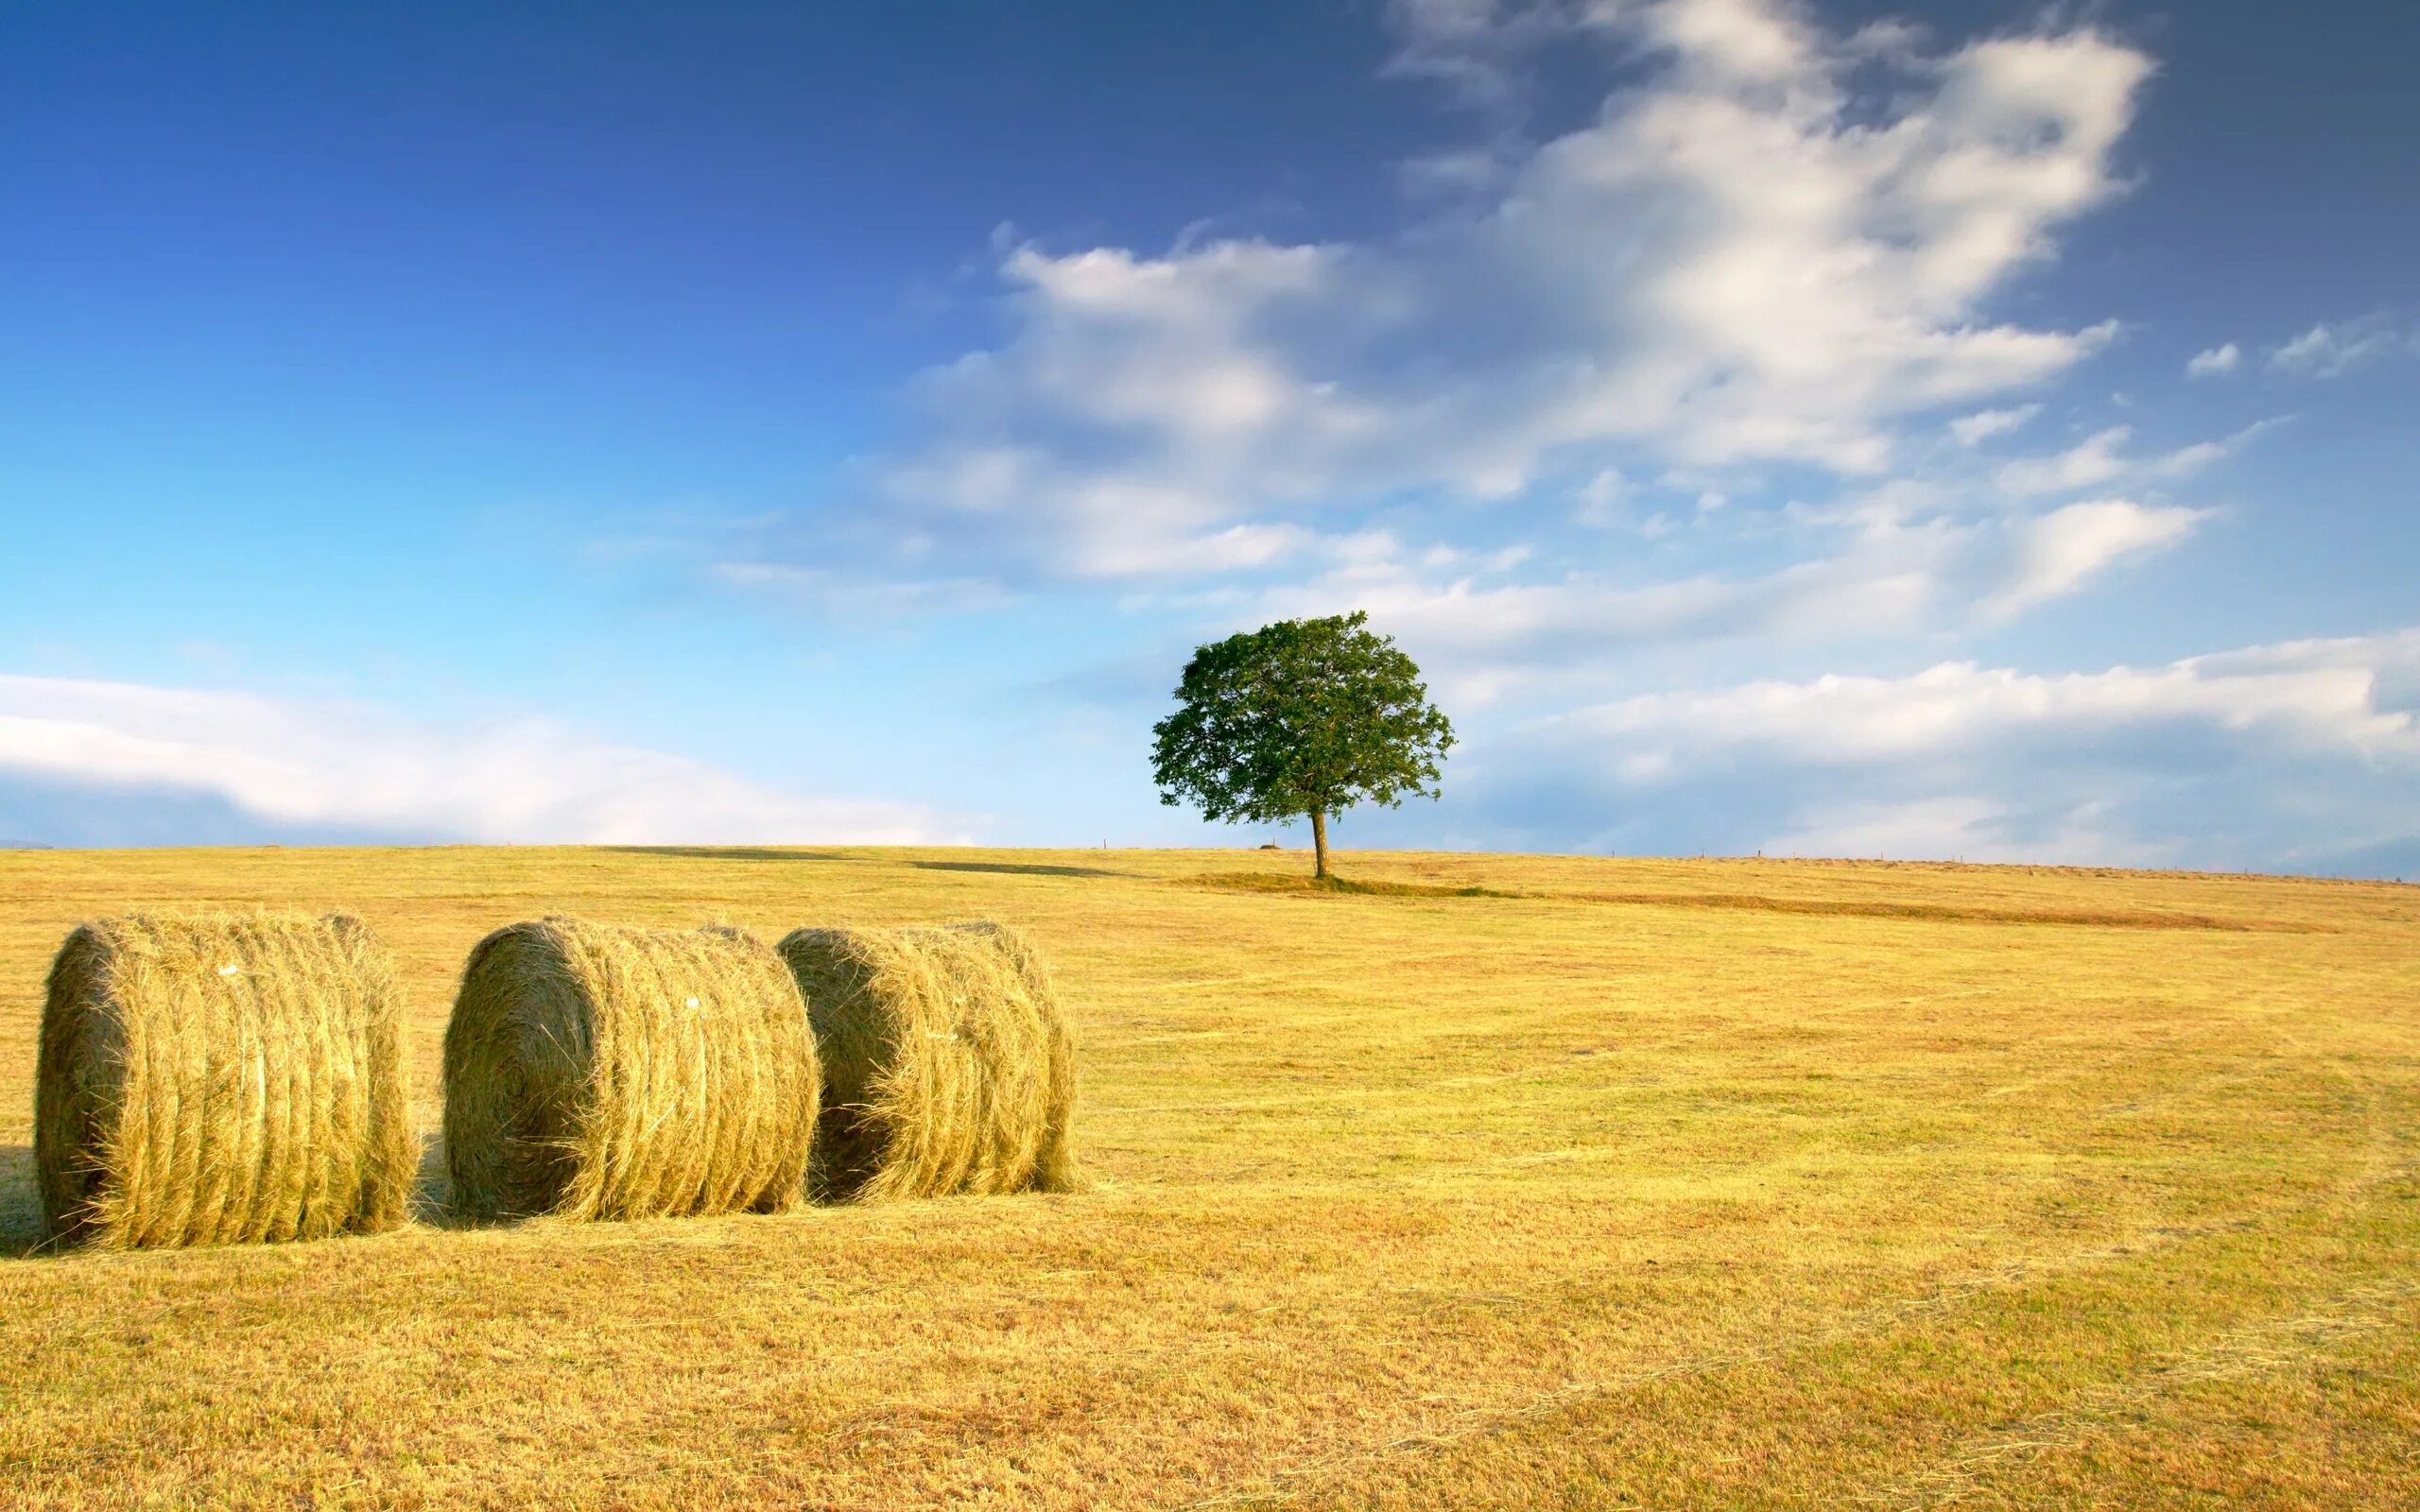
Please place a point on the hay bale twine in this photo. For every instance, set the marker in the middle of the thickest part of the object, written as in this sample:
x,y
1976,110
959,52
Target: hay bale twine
x,y
947,1062
598,1072
217,1080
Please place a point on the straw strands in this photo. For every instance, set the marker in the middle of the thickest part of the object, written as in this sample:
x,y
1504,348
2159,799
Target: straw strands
x,y
222,1079
596,1071
947,1062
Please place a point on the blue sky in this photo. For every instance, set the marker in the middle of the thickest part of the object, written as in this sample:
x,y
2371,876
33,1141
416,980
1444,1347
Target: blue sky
x,y
1773,426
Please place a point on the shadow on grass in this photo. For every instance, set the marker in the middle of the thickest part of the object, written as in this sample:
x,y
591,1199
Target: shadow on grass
x,y
21,1226
729,852
20,1202
1943,913
433,1186
1287,883
1017,868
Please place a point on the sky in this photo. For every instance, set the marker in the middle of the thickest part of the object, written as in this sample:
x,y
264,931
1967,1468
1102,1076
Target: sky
x,y
1966,431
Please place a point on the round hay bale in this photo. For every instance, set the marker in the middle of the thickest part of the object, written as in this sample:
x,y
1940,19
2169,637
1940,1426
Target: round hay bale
x,y
222,1079
596,1071
947,1062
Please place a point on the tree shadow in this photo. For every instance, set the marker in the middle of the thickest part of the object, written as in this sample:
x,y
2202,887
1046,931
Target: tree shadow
x,y
728,853
1015,869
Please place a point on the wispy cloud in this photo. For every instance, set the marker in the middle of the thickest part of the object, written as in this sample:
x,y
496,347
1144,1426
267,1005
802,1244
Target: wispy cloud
x,y
1973,430
2102,458
292,765
2056,553
2098,459
2215,362
2318,696
2328,350
1480,50
1488,633
2299,753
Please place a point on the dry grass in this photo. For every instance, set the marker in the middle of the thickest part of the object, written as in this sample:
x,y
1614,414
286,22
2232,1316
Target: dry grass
x,y
1402,1201
948,1066
596,1071
220,1078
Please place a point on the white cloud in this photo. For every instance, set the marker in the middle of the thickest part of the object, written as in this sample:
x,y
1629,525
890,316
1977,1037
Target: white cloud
x,y
2102,458
1479,49
842,595
2301,754
2089,464
1973,430
2349,697
1600,498
1485,636
1453,172
1745,40
2057,552
1754,255
2332,351
325,767
2215,362
1957,828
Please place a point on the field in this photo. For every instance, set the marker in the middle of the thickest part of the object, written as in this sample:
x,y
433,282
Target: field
x,y
1512,1181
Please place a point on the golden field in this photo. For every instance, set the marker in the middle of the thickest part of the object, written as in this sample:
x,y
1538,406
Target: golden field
x,y
1515,1181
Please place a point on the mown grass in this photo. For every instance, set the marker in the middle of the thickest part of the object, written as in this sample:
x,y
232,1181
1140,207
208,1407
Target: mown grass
x,y
1488,1181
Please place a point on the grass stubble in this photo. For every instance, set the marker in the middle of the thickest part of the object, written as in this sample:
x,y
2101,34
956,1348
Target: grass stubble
x,y
2050,1189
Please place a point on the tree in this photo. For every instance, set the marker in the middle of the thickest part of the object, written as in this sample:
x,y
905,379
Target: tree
x,y
1302,717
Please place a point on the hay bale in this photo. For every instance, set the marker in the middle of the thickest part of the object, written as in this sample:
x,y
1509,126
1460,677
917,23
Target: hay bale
x,y
947,1062
222,1079
596,1071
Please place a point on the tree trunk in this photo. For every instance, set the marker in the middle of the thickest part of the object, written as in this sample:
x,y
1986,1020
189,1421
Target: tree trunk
x,y
1319,842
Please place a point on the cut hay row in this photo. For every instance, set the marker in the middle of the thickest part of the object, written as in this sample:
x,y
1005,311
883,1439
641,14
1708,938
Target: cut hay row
x,y
221,1079
596,1071
947,1063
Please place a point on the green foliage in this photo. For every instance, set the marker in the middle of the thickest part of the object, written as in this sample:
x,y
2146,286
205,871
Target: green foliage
x,y
1302,717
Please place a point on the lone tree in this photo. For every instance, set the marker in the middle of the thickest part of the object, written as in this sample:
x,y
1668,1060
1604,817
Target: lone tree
x,y
1300,717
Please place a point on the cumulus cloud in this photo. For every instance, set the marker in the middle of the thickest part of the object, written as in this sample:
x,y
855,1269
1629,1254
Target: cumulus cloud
x,y
1767,274
1770,244
2215,362
287,767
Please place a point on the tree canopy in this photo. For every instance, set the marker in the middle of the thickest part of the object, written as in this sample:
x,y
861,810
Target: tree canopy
x,y
1303,718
